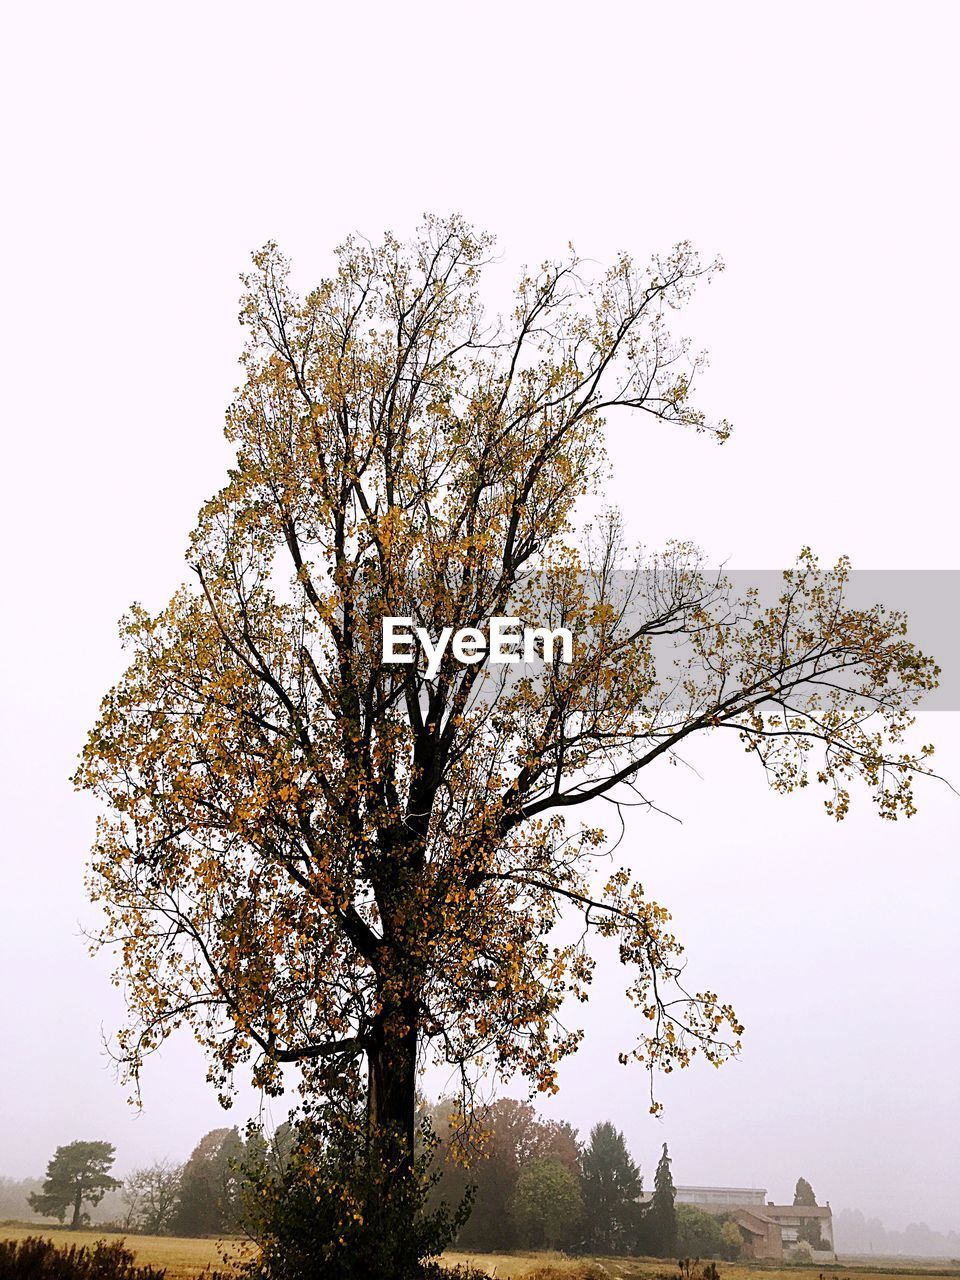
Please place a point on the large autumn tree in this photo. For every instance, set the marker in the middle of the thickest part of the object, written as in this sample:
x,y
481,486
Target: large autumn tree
x,y
314,857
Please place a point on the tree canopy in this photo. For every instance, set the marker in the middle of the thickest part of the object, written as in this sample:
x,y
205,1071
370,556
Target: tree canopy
x,y
313,857
700,1234
152,1195
489,1157
547,1204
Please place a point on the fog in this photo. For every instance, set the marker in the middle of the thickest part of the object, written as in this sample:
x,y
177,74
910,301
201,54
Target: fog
x,y
147,155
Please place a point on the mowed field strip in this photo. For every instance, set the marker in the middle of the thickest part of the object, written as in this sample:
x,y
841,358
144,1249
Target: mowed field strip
x,y
506,1266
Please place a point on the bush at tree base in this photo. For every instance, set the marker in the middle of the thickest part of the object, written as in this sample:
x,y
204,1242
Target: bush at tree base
x,y
336,1211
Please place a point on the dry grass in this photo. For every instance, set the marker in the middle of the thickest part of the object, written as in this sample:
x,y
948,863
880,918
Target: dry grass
x,y
506,1266
183,1258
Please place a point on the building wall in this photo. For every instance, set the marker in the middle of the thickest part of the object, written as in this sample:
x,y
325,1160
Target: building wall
x,y
730,1196
792,1217
761,1236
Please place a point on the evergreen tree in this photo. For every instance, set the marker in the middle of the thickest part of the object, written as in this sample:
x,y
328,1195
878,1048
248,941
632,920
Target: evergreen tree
x,y
658,1227
77,1174
611,1187
804,1193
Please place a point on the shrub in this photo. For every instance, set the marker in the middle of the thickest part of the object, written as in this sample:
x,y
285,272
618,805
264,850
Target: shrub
x,y
322,1215
699,1234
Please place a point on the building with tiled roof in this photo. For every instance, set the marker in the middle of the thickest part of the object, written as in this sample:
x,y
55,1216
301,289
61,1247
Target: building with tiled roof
x,y
769,1230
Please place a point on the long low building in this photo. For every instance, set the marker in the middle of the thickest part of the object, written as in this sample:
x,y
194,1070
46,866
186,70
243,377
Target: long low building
x,y
769,1230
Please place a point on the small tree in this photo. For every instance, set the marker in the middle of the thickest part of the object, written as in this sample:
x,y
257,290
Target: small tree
x,y
731,1241
611,1188
153,1196
809,1233
547,1206
699,1234
77,1175
306,1207
658,1233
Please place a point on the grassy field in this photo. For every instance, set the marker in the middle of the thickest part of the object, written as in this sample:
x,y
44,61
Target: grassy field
x,y
186,1259
183,1258
506,1266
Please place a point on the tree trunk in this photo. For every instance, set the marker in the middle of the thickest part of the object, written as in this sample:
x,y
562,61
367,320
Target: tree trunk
x,y
76,1206
392,1093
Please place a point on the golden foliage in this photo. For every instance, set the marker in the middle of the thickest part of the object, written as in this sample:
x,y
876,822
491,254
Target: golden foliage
x,y
309,856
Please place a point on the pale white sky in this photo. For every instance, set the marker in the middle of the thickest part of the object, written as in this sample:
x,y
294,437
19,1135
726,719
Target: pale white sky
x,y
147,151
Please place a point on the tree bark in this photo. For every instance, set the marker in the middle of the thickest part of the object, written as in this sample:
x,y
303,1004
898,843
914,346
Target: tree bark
x,y
392,1092
392,1051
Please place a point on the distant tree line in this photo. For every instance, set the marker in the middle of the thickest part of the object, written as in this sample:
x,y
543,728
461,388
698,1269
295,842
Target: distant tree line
x,y
855,1233
534,1185
527,1182
206,1196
